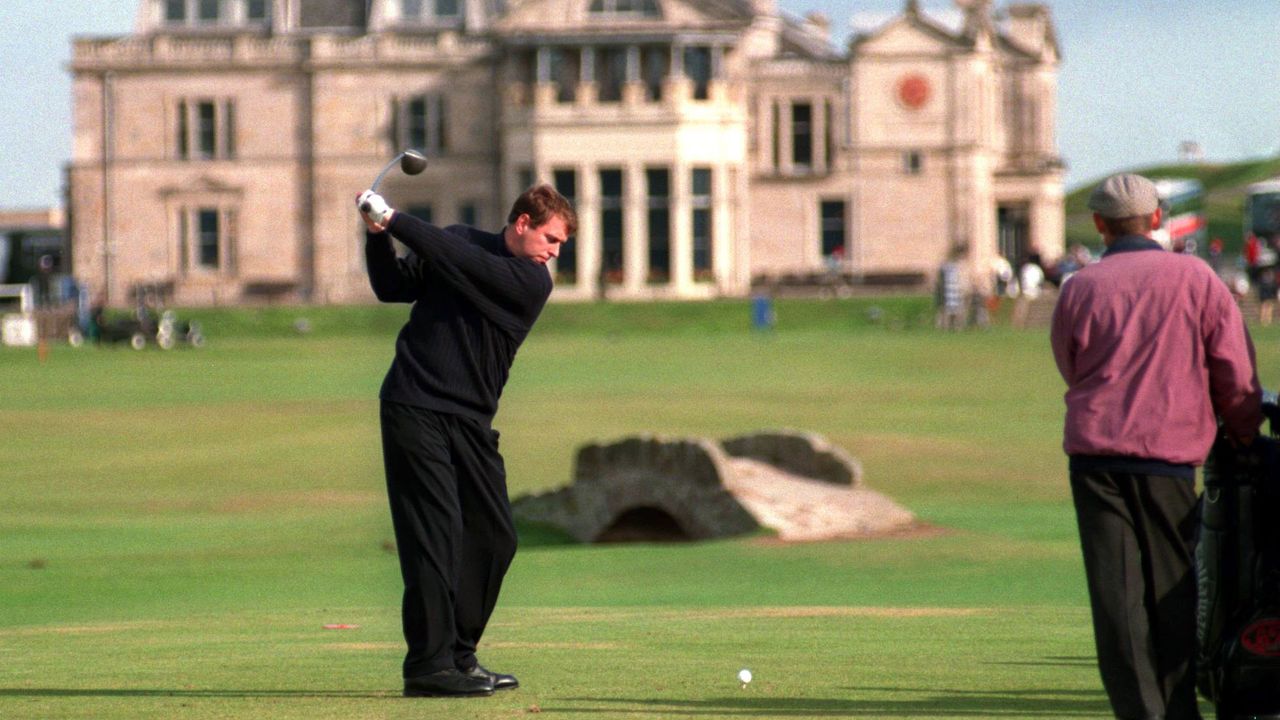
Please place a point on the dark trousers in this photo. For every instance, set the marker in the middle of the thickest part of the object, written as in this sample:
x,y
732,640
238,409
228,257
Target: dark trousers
x,y
1136,531
453,527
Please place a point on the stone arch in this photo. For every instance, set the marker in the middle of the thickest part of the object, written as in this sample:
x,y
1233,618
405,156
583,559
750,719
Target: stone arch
x,y
643,523
662,489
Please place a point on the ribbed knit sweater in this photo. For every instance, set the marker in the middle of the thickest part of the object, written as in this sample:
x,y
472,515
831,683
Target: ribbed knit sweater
x,y
473,304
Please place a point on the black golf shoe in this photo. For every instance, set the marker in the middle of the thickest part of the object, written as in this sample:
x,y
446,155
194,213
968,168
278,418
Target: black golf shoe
x,y
448,683
499,681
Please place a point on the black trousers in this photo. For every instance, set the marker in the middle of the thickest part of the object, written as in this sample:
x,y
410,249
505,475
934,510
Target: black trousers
x,y
454,532
1137,534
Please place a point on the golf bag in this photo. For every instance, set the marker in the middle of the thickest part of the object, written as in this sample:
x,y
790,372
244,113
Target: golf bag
x,y
1238,577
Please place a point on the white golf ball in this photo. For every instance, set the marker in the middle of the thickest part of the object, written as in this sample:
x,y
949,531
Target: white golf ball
x,y
744,676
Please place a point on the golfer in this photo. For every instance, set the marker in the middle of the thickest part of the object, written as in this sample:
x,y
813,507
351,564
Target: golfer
x,y
1151,345
475,297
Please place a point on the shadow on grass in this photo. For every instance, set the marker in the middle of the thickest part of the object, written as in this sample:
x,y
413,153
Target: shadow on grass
x,y
1032,703
37,692
537,535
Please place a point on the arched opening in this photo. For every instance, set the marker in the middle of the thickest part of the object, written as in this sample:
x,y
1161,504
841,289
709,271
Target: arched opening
x,y
644,524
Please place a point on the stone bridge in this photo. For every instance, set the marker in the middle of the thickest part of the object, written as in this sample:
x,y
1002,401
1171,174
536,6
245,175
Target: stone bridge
x,y
652,488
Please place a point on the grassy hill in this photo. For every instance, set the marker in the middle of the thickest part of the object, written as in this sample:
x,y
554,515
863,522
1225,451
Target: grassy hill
x,y
1224,189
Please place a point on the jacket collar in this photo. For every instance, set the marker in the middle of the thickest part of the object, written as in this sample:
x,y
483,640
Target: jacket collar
x,y
1131,243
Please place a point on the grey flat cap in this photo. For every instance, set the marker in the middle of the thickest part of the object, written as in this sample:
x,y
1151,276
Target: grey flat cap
x,y
1124,195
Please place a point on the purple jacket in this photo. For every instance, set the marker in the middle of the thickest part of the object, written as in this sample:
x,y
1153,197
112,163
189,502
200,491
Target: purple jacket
x,y
1151,344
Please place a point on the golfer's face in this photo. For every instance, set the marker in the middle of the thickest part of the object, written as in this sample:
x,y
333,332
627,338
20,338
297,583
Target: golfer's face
x,y
541,244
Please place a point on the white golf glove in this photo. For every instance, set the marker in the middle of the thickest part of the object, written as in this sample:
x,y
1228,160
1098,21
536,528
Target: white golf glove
x,y
373,205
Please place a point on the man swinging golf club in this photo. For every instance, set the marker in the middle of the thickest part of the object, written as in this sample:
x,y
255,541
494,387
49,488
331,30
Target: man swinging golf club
x,y
475,296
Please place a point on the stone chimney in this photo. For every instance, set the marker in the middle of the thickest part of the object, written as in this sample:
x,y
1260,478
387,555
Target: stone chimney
x,y
818,25
764,7
1030,27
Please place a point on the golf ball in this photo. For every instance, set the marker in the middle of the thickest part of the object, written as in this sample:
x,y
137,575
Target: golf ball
x,y
744,676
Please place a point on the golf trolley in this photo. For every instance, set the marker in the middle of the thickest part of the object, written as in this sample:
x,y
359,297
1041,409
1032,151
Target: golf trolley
x,y
143,327
1238,577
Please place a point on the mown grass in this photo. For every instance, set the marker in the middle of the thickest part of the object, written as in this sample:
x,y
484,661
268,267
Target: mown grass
x,y
177,528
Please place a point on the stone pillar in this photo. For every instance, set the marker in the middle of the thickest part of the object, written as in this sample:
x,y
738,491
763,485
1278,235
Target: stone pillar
x,y
681,228
635,242
633,88
785,144
587,86
589,230
722,236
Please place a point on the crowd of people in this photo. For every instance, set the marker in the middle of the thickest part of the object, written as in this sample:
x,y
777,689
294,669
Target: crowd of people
x,y
963,299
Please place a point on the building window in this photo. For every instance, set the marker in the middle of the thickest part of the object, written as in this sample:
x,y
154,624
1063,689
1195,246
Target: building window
x,y
566,183
422,212
611,225
420,122
214,12
206,130
206,239
655,65
802,135
658,183
643,8
912,162
524,179
432,12
467,214
611,73
702,240
832,220
566,69
257,10
829,139
697,67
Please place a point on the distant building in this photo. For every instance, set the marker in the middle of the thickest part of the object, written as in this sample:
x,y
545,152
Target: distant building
x,y
219,148
26,236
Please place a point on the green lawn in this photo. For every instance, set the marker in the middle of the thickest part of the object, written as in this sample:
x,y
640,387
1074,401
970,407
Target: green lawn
x,y
177,528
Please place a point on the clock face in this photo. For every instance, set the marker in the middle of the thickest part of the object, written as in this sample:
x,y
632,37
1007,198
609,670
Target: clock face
x,y
914,91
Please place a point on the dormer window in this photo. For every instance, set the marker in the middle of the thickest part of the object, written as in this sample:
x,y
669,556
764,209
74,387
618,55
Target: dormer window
x,y
643,8
195,13
432,12
191,12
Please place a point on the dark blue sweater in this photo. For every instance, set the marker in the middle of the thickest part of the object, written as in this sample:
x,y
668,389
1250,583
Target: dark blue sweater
x,y
473,304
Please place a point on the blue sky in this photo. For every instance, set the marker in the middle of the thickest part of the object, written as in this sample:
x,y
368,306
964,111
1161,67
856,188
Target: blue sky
x,y
1137,78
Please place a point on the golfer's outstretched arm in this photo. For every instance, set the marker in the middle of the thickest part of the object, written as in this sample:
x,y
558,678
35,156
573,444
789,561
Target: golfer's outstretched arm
x,y
507,289
392,279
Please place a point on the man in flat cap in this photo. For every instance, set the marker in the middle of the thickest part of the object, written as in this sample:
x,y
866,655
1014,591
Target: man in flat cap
x,y
1152,346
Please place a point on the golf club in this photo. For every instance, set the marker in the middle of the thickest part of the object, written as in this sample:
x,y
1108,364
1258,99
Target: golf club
x,y
411,162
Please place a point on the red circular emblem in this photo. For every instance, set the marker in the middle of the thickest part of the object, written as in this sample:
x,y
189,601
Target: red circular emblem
x,y
913,91
1262,638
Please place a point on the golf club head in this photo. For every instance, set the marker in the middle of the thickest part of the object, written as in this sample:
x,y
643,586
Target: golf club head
x,y
412,162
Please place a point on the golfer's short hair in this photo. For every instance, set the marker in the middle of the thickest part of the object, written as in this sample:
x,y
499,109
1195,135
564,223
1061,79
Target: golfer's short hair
x,y
1134,225
541,203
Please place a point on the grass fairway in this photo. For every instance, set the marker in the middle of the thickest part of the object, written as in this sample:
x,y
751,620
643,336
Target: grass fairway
x,y
176,529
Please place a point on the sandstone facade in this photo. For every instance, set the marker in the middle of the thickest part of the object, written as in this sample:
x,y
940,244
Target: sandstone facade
x,y
706,144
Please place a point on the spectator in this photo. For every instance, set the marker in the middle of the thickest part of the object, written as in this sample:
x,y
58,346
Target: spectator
x,y
1152,347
